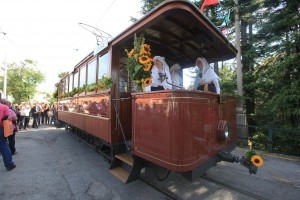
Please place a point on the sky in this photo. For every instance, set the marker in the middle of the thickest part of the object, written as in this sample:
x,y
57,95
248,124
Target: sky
x,y
48,31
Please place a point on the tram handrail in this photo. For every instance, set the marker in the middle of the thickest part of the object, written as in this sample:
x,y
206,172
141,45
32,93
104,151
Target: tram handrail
x,y
119,121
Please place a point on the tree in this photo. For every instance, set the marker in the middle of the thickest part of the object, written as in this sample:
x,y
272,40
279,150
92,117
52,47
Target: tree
x,y
62,74
149,5
22,80
227,80
278,45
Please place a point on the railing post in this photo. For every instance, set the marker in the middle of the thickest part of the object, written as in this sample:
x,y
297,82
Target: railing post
x,y
270,145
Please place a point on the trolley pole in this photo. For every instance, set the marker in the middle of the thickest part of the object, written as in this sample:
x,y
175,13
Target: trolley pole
x,y
242,131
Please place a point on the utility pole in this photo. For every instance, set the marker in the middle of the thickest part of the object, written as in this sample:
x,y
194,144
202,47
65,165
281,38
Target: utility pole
x,y
238,59
5,78
241,116
5,73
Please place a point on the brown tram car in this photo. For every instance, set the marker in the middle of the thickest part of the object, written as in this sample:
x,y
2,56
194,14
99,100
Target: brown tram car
x,y
184,131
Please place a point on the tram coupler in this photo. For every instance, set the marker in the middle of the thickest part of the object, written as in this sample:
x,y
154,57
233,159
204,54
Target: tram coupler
x,y
229,157
248,164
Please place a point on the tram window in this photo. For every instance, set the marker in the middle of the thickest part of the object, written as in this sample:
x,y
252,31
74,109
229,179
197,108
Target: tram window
x,y
103,66
76,80
82,76
123,77
70,82
60,88
66,85
91,72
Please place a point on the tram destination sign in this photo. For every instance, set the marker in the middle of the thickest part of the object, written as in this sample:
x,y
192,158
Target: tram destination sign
x,y
99,47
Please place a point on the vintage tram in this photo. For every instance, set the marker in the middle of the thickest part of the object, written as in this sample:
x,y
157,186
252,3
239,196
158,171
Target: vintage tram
x,y
184,131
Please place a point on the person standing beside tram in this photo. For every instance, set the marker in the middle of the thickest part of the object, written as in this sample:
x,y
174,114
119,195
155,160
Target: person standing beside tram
x,y
161,77
206,79
4,148
25,117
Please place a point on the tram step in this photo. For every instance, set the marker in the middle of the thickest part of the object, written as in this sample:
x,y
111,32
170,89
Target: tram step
x,y
126,168
125,158
120,173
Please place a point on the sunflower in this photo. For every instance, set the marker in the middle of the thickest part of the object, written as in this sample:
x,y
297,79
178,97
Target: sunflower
x,y
148,81
147,67
147,49
257,160
130,53
139,62
144,60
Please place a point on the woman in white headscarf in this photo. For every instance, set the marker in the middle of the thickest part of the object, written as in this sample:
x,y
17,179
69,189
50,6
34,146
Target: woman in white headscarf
x,y
206,79
161,78
176,78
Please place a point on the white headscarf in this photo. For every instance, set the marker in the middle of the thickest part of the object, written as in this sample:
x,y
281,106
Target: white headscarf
x,y
162,60
175,68
208,74
176,78
155,72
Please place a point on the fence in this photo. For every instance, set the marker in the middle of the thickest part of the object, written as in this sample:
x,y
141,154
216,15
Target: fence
x,y
274,140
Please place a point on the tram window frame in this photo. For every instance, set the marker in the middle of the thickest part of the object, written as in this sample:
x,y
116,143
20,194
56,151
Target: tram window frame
x,y
91,72
82,76
60,87
71,82
76,78
66,85
103,64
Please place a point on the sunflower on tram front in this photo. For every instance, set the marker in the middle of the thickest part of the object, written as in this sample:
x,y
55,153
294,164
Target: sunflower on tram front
x,y
139,62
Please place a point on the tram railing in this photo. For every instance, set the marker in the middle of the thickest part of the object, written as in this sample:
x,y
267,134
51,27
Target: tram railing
x,y
273,140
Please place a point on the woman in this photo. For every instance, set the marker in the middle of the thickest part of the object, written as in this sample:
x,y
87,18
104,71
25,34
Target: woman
x,y
176,78
161,78
206,79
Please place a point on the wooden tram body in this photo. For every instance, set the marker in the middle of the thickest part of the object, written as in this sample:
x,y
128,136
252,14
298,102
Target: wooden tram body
x,y
179,130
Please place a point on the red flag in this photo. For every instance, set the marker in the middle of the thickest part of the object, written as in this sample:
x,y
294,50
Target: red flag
x,y
208,3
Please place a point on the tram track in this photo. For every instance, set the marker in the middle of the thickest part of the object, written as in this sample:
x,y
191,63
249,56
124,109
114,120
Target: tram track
x,y
248,194
169,195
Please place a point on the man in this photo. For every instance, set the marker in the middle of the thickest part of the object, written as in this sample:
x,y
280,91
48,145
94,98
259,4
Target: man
x,y
35,112
11,138
4,149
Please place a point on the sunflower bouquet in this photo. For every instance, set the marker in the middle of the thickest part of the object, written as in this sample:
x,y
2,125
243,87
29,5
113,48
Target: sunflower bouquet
x,y
139,62
255,159
252,161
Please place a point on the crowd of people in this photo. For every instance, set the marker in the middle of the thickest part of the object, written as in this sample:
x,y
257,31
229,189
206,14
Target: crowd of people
x,y
20,115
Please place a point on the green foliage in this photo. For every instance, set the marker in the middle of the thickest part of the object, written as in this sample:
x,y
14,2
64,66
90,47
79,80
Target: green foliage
x,y
55,94
249,153
22,80
260,141
62,75
228,80
105,82
149,5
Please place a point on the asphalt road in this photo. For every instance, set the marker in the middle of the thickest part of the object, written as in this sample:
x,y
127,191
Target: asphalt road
x,y
54,164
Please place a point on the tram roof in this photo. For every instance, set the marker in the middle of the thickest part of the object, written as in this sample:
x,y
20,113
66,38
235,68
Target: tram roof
x,y
178,31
